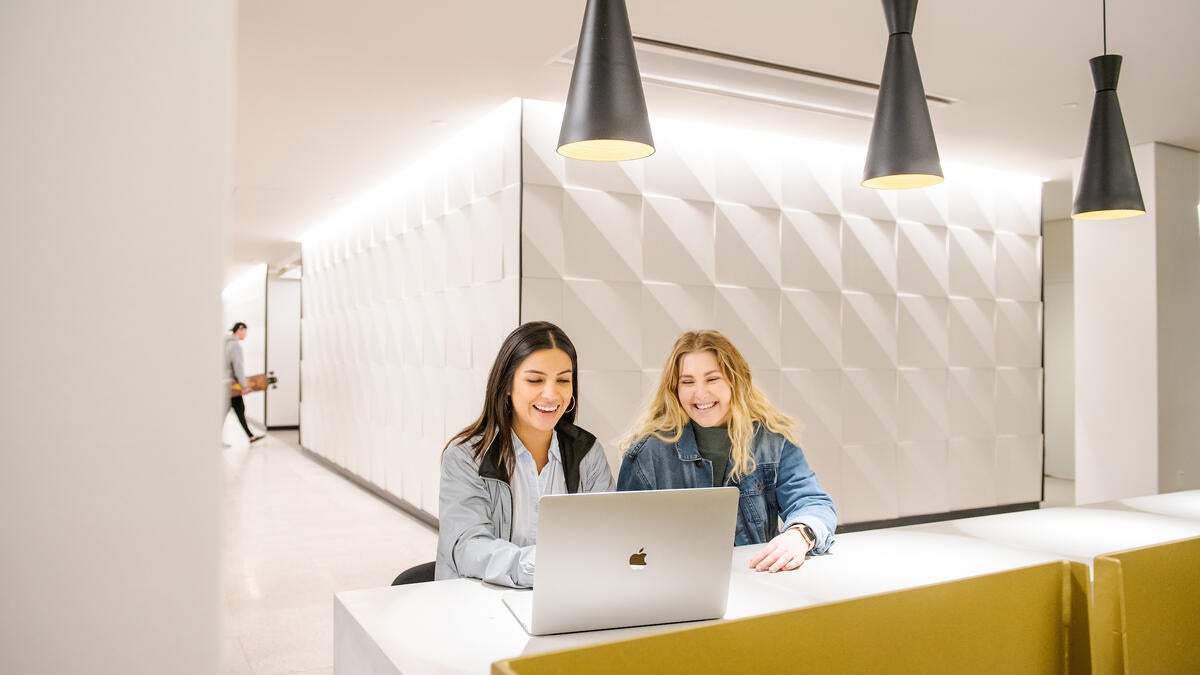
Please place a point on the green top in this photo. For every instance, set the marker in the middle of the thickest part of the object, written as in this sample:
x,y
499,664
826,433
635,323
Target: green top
x,y
715,446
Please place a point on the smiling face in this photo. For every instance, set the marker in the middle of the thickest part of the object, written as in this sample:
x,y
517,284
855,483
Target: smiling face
x,y
703,390
541,391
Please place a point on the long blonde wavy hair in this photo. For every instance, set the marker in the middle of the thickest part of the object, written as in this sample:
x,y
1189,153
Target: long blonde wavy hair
x,y
665,416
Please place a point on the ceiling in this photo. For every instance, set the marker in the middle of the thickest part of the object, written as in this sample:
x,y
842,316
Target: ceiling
x,y
332,97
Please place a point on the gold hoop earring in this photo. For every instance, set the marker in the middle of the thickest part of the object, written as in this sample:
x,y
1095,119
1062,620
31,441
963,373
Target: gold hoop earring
x,y
571,406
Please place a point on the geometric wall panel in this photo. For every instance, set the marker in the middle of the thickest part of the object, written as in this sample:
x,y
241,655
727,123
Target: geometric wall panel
x,y
679,244
667,311
972,403
814,396
922,339
972,204
1019,401
812,326
922,260
407,297
750,318
923,477
677,168
602,235
616,177
972,263
930,206
597,316
868,406
972,333
868,330
1017,268
902,329
924,413
1019,469
542,252
812,251
869,255
809,184
747,246
749,178
1018,334
972,473
868,476
604,408
1019,206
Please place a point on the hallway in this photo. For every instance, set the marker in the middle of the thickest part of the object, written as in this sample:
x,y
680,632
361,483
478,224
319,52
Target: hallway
x,y
293,534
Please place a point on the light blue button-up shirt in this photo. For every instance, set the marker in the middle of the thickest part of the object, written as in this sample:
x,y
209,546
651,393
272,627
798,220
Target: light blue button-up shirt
x,y
528,486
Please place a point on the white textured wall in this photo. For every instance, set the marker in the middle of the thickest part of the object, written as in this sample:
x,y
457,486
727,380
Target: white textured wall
x,y
283,351
245,300
904,329
114,190
407,295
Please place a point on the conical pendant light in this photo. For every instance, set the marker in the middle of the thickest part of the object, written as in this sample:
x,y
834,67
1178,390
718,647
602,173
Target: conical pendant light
x,y
606,118
1108,182
902,153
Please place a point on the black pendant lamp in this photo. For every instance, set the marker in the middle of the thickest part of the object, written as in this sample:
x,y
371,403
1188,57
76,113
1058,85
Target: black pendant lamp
x,y
606,117
1108,182
902,153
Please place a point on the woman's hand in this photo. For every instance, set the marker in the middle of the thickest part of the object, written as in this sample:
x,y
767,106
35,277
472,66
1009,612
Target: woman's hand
x,y
784,552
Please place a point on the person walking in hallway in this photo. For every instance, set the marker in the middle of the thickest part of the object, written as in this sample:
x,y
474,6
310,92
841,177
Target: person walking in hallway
x,y
235,378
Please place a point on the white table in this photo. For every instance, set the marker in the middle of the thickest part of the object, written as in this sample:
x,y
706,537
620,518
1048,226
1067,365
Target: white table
x,y
461,626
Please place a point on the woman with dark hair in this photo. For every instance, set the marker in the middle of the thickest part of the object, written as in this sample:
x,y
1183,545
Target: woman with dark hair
x,y
523,445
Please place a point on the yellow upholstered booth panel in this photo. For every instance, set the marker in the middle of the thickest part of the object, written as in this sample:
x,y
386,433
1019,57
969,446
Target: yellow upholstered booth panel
x,y
1147,610
1030,620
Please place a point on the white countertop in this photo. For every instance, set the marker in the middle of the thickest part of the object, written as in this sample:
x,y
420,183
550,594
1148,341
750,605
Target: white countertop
x,y
461,626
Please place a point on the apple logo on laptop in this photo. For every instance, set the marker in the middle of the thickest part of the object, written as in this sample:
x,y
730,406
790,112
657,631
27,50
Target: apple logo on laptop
x,y
637,561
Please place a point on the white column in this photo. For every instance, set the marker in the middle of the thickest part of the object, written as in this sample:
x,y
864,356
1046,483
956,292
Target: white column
x,y
283,351
1116,347
1176,196
1137,366
114,187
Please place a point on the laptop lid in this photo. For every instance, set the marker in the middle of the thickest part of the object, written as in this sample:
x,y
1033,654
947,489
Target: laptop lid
x,y
616,559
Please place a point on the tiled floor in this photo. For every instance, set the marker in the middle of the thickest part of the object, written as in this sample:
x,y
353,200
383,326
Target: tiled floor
x,y
295,533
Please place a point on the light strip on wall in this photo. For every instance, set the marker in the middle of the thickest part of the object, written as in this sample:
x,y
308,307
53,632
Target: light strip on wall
x,y
695,69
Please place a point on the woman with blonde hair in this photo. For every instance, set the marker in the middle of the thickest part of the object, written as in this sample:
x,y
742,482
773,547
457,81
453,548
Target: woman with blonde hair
x,y
708,425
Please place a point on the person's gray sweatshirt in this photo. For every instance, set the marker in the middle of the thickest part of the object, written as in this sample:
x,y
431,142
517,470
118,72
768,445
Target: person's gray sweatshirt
x,y
234,368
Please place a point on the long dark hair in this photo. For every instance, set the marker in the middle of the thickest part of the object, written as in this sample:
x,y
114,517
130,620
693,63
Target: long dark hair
x,y
494,425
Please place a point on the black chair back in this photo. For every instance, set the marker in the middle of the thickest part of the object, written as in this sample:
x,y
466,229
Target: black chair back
x,y
415,575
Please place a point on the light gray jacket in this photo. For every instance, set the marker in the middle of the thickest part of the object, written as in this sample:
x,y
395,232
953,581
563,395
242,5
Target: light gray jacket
x,y
234,368
475,508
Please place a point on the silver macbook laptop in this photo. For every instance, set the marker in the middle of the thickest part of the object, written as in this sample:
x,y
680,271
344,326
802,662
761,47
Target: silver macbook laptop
x,y
616,559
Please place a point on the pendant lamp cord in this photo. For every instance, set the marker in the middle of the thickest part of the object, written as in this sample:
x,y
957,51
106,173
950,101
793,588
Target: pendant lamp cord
x,y
1104,23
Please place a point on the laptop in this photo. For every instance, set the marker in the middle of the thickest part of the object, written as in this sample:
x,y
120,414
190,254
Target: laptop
x,y
617,559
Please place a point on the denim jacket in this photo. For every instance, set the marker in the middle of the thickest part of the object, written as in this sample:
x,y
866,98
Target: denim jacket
x,y
475,508
782,486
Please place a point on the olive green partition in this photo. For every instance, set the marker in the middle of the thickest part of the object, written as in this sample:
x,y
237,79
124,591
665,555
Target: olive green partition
x,y
1146,610
1030,620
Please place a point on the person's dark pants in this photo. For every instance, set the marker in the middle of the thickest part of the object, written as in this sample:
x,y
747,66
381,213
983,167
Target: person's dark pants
x,y
239,407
